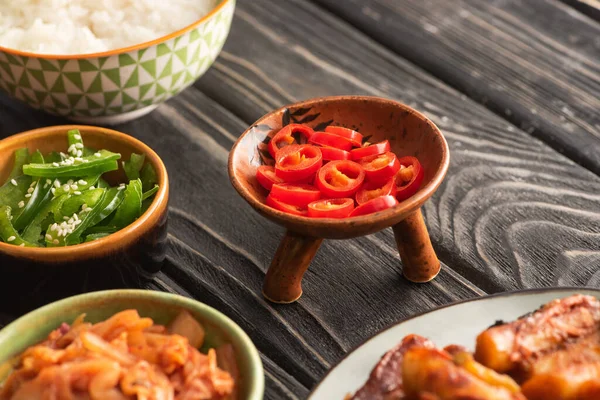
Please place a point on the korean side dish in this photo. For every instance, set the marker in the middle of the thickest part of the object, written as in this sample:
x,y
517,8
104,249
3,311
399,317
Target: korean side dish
x,y
550,354
125,357
91,26
62,199
335,173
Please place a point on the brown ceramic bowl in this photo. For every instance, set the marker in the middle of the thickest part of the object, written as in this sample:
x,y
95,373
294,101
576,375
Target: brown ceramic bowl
x,y
409,133
51,273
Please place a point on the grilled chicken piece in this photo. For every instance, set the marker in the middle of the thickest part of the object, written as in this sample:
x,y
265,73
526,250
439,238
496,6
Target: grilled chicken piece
x,y
434,374
514,347
569,373
385,381
416,370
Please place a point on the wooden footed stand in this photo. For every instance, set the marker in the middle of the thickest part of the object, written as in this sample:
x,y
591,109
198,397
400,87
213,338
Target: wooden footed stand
x,y
283,283
419,262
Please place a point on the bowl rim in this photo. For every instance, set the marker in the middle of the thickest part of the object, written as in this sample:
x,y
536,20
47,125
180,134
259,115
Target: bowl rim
x,y
256,378
120,50
116,240
409,204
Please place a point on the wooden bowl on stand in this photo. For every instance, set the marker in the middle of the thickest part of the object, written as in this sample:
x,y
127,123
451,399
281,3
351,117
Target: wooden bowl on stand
x,y
409,132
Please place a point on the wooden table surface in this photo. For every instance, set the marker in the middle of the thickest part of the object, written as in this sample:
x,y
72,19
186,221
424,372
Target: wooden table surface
x,y
513,84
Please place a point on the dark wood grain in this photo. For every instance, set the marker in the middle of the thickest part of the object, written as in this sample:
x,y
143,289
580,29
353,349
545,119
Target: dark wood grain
x,y
512,212
536,63
588,7
499,175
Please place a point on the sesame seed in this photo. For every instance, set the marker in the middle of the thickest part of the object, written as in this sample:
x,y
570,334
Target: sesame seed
x,y
92,187
55,164
30,190
22,245
21,204
88,209
66,187
48,236
121,188
79,153
70,182
74,187
77,137
11,238
98,154
83,206
55,241
79,159
82,182
79,145
28,195
77,222
76,217
32,184
57,183
45,185
63,155
53,190
71,148
65,218
14,182
85,161
48,182
54,227
77,192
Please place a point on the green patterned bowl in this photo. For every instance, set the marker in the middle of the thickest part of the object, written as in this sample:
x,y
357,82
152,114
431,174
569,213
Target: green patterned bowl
x,y
118,85
161,307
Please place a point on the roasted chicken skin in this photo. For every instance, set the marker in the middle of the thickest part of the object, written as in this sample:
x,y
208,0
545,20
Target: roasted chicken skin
x,y
416,370
513,347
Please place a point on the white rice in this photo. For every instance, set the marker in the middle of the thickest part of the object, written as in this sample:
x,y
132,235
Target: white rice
x,y
90,26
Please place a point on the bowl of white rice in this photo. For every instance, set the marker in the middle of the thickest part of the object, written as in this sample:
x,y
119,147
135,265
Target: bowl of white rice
x,y
107,61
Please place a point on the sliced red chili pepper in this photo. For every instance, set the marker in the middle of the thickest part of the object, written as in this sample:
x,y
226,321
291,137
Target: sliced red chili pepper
x,y
371,190
340,178
331,140
409,177
298,162
288,208
295,194
372,206
331,154
289,134
371,150
265,175
350,134
331,208
381,167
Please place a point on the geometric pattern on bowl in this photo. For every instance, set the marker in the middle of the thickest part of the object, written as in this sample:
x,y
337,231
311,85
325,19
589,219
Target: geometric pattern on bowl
x,y
118,83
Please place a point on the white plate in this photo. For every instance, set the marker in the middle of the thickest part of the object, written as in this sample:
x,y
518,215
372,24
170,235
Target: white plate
x,y
458,323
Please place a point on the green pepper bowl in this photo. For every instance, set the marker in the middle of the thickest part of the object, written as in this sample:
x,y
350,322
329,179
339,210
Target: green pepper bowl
x,y
161,307
117,261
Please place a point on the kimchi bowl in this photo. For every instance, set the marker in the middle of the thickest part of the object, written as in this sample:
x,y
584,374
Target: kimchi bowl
x,y
218,332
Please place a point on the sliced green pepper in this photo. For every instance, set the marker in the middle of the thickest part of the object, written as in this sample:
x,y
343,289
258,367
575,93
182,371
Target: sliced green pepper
x,y
131,207
75,143
133,167
12,193
73,204
95,236
150,193
113,199
21,158
102,184
76,187
7,232
148,177
52,157
99,163
37,157
38,195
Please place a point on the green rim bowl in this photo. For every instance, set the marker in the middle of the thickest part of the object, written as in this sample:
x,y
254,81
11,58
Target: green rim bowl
x,y
162,307
118,85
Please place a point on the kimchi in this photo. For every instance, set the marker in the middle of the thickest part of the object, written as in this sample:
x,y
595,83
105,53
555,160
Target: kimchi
x,y
125,357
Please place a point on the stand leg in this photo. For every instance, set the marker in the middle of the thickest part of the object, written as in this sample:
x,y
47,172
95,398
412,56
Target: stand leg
x,y
283,283
419,262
